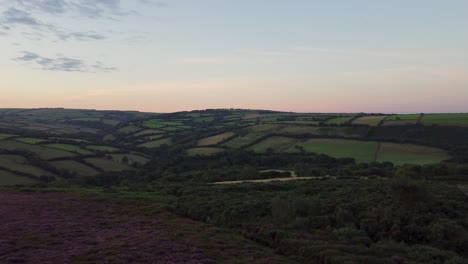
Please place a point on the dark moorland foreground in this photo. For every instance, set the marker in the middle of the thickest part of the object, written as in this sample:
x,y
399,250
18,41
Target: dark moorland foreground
x,y
69,228
86,186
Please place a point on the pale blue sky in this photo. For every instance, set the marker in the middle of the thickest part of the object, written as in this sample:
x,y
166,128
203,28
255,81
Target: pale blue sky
x,y
318,56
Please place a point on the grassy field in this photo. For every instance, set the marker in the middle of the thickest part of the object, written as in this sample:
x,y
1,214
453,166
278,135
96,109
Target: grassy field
x,y
400,154
129,129
108,165
41,151
8,178
132,158
445,119
148,132
400,122
241,141
214,140
20,164
403,117
361,151
31,140
5,136
277,144
204,151
368,120
265,127
70,148
76,167
339,120
156,143
102,148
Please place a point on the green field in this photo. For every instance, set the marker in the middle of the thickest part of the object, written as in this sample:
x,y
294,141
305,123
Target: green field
x,y
20,164
214,140
156,143
368,120
70,148
102,148
445,119
75,167
353,132
156,123
361,151
203,151
339,120
108,165
129,129
31,140
41,151
132,158
148,132
400,154
403,117
7,178
5,136
276,144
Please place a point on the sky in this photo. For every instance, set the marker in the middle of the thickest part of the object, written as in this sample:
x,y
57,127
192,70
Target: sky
x,y
375,56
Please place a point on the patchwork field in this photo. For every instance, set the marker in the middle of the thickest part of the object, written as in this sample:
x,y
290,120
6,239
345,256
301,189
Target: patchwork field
x,y
70,148
274,144
214,140
102,148
204,151
400,154
131,158
339,120
445,119
361,151
31,140
75,167
5,136
7,178
107,165
41,151
401,120
20,164
157,143
369,120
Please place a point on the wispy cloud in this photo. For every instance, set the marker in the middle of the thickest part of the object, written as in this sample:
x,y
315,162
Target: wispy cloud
x,y
62,63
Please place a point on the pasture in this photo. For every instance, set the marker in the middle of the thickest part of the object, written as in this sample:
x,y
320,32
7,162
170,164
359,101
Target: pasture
x,y
129,129
445,119
361,151
400,154
107,165
274,144
41,151
31,140
148,132
102,148
339,120
403,117
8,179
20,164
75,167
368,120
214,140
131,158
204,151
70,148
5,136
157,143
